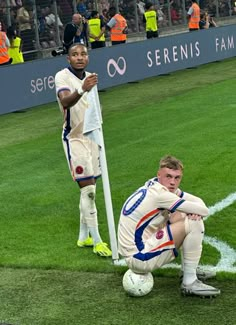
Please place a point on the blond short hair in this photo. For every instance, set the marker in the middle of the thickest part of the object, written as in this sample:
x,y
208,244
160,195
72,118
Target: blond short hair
x,y
171,162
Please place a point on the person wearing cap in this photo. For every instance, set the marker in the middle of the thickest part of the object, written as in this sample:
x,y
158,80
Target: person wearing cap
x,y
150,18
96,29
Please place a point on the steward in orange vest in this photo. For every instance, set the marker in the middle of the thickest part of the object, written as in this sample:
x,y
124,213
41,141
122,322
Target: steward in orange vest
x,y
4,44
193,16
117,26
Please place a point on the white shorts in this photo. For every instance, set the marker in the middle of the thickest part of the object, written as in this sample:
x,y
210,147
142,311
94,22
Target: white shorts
x,y
158,250
83,158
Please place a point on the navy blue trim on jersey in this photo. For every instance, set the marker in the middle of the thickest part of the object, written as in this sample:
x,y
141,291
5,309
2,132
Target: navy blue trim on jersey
x,y
67,128
62,89
178,203
66,131
181,194
139,233
149,255
86,178
74,73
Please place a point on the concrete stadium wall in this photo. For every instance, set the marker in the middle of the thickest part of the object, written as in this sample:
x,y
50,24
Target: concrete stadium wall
x,y
32,83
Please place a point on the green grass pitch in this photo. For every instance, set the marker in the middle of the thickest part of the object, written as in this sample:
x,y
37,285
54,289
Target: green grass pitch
x,y
44,278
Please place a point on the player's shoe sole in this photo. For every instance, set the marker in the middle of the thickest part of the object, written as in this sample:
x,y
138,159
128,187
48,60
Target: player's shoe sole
x,y
198,288
88,242
101,249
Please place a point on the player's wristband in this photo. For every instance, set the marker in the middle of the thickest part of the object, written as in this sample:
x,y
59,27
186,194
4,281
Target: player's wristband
x,y
80,91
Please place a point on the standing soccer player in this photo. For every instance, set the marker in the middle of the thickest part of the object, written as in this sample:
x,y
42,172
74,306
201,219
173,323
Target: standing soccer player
x,y
158,219
74,88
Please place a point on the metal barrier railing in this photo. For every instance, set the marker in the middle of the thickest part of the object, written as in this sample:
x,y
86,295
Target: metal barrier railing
x,y
40,24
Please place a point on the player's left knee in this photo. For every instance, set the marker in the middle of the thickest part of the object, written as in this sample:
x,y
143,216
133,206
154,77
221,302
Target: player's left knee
x,y
194,226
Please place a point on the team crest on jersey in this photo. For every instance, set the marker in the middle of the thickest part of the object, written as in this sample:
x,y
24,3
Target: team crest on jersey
x,y
159,234
79,170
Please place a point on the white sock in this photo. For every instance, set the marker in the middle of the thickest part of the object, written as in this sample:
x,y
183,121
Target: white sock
x,y
95,235
89,211
83,231
192,249
83,228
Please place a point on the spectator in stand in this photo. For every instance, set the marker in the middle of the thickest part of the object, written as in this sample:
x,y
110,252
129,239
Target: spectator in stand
x,y
103,4
15,48
25,18
117,26
206,21
175,17
193,16
141,8
96,29
162,21
42,27
234,8
65,10
51,21
75,31
104,16
81,7
141,11
13,17
85,20
150,18
4,45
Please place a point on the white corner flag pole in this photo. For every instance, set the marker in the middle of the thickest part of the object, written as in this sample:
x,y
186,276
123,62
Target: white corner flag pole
x,y
108,200
93,129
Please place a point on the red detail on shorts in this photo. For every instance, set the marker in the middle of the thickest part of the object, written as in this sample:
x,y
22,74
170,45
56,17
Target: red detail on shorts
x,y
79,170
159,234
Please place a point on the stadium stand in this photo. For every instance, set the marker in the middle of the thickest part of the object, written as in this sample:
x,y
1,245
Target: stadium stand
x,y
43,31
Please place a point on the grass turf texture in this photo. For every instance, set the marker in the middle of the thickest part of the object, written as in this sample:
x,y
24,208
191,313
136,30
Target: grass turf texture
x,y
190,114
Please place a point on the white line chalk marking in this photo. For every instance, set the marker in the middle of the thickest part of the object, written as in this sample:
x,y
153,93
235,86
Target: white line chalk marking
x,y
221,205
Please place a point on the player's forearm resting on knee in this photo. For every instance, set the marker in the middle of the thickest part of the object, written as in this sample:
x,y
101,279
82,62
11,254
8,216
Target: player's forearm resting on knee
x,y
193,208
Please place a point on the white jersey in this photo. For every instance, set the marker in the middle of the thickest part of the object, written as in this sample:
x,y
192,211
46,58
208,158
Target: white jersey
x,y
73,117
147,209
82,154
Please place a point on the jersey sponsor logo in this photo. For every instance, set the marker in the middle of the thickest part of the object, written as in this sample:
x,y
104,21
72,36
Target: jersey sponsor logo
x,y
118,66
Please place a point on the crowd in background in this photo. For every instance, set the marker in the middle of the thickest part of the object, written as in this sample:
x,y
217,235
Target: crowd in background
x,y
41,24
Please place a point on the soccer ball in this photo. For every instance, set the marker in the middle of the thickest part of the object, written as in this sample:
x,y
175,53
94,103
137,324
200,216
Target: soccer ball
x,y
137,285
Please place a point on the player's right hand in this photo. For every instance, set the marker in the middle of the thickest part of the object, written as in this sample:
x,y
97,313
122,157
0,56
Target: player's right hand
x,y
90,81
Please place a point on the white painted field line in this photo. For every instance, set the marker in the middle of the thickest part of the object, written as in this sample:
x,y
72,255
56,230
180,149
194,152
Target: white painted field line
x,y
221,205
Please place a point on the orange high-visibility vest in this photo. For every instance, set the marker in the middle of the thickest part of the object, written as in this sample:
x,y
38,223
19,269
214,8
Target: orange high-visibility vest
x,y
117,30
4,56
195,17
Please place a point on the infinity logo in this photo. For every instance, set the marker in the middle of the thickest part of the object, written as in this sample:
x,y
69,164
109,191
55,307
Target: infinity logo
x,y
113,66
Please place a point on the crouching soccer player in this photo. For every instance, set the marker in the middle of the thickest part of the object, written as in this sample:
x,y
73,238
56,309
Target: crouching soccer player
x,y
158,219
72,86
